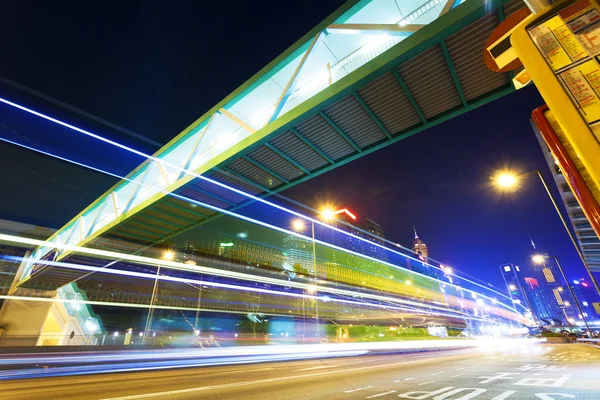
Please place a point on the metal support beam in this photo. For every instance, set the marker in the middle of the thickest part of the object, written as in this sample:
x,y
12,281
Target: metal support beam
x,y
447,7
287,158
340,131
211,195
408,94
237,120
170,214
189,210
142,231
392,29
136,191
371,114
134,236
289,87
463,99
149,226
97,217
237,175
162,221
312,146
267,170
113,195
194,151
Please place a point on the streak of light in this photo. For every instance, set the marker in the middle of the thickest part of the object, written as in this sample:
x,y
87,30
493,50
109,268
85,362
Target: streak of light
x,y
452,313
255,198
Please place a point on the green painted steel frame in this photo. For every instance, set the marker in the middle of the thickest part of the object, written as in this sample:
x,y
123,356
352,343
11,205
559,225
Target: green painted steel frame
x,y
339,131
452,69
371,114
409,95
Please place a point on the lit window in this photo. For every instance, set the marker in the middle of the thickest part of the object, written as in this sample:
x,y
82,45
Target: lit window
x,y
507,268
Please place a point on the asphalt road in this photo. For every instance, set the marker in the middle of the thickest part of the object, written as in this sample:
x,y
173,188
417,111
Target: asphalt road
x,y
538,371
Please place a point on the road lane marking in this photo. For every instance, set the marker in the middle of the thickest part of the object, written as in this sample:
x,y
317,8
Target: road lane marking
x,y
505,395
456,376
380,394
357,389
436,373
426,383
409,379
283,378
319,367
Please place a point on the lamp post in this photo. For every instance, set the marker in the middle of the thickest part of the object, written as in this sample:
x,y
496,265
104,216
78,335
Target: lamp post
x,y
540,259
169,256
509,180
299,225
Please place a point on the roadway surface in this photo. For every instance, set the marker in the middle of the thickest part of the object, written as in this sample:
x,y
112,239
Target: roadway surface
x,y
533,371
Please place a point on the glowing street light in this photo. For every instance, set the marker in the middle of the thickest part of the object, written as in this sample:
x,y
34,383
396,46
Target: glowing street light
x,y
168,255
512,287
298,225
506,180
311,289
408,282
327,214
538,259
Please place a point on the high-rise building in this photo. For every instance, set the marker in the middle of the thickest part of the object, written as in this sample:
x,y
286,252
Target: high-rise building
x,y
586,296
537,301
558,301
510,274
298,254
420,247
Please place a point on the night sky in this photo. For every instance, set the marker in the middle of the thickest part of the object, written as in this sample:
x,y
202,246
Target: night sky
x,y
154,69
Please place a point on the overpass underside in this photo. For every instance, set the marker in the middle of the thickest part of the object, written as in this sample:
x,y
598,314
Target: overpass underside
x,y
414,74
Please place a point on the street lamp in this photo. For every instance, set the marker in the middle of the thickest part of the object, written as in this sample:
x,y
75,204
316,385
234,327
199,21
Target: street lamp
x,y
299,225
510,180
540,259
168,255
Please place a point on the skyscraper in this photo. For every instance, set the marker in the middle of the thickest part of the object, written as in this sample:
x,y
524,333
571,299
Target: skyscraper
x,y
298,254
420,247
510,274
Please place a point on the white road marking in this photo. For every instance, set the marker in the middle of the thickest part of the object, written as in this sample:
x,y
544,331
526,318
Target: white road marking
x,y
380,394
426,383
319,367
283,378
409,379
357,389
436,373
456,376
505,395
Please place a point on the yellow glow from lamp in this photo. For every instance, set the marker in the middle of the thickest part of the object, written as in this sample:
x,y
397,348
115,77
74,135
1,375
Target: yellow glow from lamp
x,y
506,180
538,259
298,225
168,255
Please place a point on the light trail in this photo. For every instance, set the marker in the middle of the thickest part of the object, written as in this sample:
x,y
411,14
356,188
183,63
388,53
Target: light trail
x,y
237,287
235,215
207,270
133,360
240,192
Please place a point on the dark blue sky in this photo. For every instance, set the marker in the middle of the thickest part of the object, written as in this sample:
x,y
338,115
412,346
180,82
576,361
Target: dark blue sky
x,y
154,69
